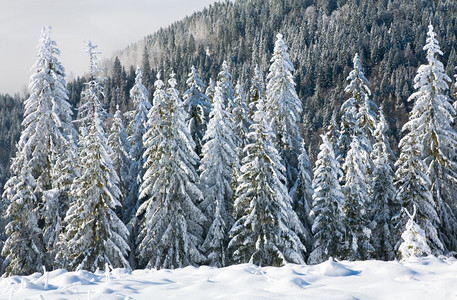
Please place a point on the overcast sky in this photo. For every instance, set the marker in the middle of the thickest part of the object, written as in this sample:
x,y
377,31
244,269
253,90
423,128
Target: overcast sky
x,y
110,24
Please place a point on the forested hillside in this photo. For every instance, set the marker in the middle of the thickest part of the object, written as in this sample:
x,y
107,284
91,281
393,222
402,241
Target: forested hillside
x,y
323,36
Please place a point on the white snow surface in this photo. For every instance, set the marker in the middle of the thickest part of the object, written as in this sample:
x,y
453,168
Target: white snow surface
x,y
420,278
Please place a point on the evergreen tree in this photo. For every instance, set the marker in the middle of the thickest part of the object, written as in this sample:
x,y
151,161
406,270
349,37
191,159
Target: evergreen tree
x,y
256,91
431,118
46,139
94,234
137,128
197,106
355,188
267,231
23,250
414,241
283,109
358,109
120,145
328,202
224,81
240,116
382,207
169,219
301,194
210,90
218,160
413,189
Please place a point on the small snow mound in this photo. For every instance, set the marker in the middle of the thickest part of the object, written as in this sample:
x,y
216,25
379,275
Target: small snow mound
x,y
335,269
299,282
70,278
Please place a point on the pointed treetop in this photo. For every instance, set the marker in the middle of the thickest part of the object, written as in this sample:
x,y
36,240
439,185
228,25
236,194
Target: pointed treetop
x,y
139,75
158,84
94,67
172,81
432,47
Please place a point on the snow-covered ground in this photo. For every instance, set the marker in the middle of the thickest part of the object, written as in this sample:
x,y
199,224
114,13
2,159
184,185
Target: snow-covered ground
x,y
426,278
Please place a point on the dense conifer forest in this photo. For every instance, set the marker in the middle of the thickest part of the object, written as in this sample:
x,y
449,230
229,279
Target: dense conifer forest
x,y
254,131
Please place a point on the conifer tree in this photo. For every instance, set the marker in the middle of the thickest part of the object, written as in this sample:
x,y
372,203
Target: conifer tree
x,y
355,188
414,242
267,231
256,91
431,118
37,177
283,109
197,106
358,109
224,81
169,219
382,206
94,234
240,116
120,145
136,129
413,189
210,90
301,194
327,207
218,160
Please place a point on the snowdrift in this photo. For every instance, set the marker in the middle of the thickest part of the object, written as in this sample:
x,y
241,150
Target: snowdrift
x,y
424,278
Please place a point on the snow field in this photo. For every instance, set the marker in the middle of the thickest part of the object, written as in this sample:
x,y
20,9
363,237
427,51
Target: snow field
x,y
424,278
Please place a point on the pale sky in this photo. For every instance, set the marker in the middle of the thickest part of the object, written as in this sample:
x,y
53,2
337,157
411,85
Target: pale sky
x,y
110,24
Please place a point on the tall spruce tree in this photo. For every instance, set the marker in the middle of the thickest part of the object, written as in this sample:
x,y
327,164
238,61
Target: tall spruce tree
x,y
256,91
327,208
283,109
197,106
136,129
358,109
169,219
355,188
301,194
224,81
36,191
120,145
382,208
432,117
413,189
218,160
94,234
267,231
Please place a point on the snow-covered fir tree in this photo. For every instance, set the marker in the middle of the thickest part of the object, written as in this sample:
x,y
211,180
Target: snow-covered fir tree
x,y
46,140
224,81
136,129
94,234
283,109
240,116
23,250
210,90
357,237
219,157
431,119
169,219
414,241
382,207
256,91
267,231
358,109
120,145
301,194
197,106
327,207
413,189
